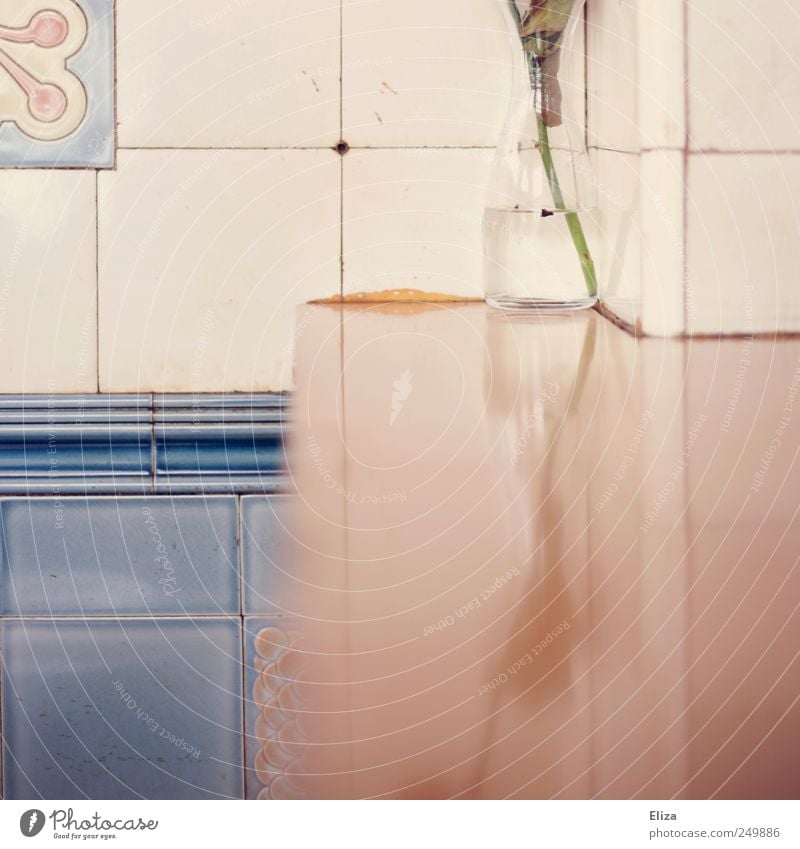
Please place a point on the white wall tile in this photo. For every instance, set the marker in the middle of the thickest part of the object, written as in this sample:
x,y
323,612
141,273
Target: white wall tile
x,y
413,219
636,102
612,75
661,66
617,248
203,257
743,264
200,73
662,235
48,318
418,73
744,84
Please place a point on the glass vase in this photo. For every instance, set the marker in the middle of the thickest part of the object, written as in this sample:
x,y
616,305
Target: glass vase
x,y
541,195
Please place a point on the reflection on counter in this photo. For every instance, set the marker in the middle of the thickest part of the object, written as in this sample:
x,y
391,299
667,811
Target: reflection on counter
x,y
533,558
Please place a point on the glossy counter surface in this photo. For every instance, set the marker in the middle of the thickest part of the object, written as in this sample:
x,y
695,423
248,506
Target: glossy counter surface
x,y
534,558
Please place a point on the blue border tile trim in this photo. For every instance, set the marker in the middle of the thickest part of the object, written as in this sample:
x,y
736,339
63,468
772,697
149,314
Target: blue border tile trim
x,y
61,450
93,144
123,444
212,451
18,405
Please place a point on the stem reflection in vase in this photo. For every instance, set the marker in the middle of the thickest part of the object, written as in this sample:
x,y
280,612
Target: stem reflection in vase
x,y
536,253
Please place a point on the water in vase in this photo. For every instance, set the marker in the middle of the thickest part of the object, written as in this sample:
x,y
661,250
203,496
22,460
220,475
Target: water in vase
x,y
530,262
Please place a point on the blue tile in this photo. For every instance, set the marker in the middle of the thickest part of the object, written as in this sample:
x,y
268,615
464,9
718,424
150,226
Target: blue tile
x,y
139,444
215,450
265,553
241,483
275,746
55,450
77,402
124,556
77,485
92,142
123,709
223,406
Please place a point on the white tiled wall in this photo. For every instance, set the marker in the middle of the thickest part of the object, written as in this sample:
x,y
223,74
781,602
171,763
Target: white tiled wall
x,y
229,203
424,74
743,218
203,256
413,219
244,73
706,94
636,131
48,309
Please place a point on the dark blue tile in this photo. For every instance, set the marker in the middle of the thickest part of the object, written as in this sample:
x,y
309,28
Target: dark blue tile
x,y
224,451
266,570
124,556
55,450
123,709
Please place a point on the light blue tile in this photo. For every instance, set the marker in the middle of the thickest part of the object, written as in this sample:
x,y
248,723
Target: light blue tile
x,y
93,143
124,556
266,571
227,406
124,709
243,483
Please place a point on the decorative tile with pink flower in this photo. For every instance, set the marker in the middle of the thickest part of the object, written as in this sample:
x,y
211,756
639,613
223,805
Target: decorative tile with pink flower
x,y
57,83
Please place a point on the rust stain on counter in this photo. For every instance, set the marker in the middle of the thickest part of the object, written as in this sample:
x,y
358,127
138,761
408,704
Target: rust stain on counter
x,y
403,296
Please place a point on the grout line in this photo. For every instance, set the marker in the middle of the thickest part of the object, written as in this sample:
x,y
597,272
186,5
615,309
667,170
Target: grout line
x,y
685,186
715,151
423,147
225,148
341,69
289,148
97,276
341,137
240,550
3,754
585,77
243,647
699,151
341,227
115,617
115,81
153,451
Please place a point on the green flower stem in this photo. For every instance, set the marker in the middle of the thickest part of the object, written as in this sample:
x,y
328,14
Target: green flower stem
x,y
573,221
